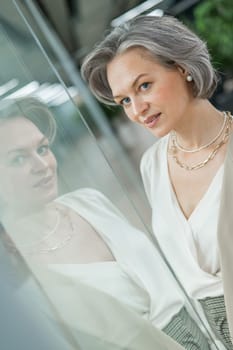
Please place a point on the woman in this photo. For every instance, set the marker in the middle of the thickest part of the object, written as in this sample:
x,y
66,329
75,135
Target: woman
x,y
81,236
160,73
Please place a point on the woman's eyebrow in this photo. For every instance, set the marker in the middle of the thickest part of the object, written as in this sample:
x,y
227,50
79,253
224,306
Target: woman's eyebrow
x,y
133,83
24,149
16,150
44,138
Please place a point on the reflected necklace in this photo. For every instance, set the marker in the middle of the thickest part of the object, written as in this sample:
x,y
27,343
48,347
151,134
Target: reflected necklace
x,y
188,150
213,153
46,236
43,245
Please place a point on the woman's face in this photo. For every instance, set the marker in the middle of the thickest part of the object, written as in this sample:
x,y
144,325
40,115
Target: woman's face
x,y
152,95
28,176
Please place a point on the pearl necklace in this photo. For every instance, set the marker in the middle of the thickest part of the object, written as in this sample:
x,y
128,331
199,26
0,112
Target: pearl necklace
x,y
186,150
173,149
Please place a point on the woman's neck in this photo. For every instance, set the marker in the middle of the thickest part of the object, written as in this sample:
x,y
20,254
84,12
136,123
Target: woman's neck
x,y
28,226
201,123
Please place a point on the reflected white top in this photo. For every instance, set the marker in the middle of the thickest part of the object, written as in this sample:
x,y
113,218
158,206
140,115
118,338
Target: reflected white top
x,y
139,277
190,245
109,278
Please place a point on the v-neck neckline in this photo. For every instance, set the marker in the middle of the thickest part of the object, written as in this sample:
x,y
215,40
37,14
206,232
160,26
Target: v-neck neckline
x,y
203,199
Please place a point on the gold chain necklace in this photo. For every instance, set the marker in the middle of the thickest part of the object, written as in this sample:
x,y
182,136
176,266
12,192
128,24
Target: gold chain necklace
x,y
44,248
46,236
41,246
210,143
173,149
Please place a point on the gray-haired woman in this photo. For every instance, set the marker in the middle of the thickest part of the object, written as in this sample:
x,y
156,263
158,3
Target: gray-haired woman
x,y
161,74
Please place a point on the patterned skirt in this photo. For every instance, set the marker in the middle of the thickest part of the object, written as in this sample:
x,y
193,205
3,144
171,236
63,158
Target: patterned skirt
x,y
184,330
215,312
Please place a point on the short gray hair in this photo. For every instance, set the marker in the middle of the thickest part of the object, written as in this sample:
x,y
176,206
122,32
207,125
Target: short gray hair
x,y
166,40
34,110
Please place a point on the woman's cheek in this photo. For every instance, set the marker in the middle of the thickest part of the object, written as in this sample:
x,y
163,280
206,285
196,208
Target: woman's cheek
x,y
160,96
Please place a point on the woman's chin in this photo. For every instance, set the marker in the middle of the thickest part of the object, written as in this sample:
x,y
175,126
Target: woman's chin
x,y
158,133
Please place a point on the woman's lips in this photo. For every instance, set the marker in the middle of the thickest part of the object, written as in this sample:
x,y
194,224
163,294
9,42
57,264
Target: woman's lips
x,y
152,120
44,182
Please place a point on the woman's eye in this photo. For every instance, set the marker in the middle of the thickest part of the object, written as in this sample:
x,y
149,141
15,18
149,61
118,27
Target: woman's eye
x,y
125,101
18,160
43,150
144,86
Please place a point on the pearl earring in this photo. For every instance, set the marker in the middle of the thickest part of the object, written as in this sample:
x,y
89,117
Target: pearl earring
x,y
189,78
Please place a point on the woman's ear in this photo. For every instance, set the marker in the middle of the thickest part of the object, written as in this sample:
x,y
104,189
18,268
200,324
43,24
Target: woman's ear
x,y
182,70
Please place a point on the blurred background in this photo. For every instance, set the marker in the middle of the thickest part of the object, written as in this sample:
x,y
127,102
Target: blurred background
x,y
43,43
67,31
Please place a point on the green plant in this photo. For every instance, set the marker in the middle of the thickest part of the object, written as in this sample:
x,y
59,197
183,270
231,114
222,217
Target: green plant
x,y
213,21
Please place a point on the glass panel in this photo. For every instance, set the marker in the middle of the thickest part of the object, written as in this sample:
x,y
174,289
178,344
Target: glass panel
x,y
79,247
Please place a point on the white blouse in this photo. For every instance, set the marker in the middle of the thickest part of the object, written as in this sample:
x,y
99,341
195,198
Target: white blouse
x,y
139,278
110,278
189,245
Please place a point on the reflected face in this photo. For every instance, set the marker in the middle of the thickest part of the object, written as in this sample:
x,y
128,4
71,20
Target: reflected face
x,y
152,95
28,168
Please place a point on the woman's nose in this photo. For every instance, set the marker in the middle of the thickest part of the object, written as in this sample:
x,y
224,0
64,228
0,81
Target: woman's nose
x,y
139,108
39,164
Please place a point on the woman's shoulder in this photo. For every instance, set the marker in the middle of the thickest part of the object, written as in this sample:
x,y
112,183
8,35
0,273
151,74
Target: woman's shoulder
x,y
83,195
89,200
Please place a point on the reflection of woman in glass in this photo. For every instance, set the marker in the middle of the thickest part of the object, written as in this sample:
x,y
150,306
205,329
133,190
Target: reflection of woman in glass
x,y
160,73
80,236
